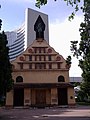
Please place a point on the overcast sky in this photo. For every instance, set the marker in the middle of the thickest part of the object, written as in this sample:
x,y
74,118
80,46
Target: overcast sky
x,y
61,31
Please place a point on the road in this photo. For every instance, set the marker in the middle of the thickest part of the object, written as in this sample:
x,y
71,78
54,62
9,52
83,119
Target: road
x,y
77,113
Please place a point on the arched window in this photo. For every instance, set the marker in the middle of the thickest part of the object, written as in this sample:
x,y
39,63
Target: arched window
x,y
19,79
61,78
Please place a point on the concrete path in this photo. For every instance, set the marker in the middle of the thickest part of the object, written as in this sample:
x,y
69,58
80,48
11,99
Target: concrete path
x,y
77,113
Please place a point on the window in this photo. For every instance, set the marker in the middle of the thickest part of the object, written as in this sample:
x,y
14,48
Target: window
x,y
49,57
44,58
61,78
39,50
35,58
44,50
30,57
43,66
19,79
37,66
21,65
58,65
50,66
30,66
39,58
35,50
40,66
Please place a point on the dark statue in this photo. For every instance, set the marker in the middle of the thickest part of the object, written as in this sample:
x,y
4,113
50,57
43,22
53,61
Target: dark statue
x,y
39,28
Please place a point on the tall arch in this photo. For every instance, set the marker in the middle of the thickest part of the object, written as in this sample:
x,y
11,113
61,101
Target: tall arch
x,y
39,28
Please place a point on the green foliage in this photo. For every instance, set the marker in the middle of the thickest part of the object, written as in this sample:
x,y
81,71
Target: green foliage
x,y
83,51
6,82
68,60
40,3
76,84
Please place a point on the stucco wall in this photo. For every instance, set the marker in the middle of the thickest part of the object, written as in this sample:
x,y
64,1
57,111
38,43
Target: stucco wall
x,y
71,97
54,97
41,76
27,96
9,99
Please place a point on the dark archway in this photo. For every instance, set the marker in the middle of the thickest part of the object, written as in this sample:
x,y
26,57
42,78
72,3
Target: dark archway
x,y
19,79
61,78
62,96
18,98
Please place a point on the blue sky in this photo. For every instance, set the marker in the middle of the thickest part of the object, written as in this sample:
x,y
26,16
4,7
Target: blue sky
x,y
61,31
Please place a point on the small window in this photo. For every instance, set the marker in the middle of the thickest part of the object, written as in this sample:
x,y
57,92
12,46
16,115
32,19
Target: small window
x,y
39,58
39,50
44,58
58,65
35,58
35,66
61,79
30,66
50,66
30,57
21,66
40,66
44,50
43,66
49,57
35,50
19,79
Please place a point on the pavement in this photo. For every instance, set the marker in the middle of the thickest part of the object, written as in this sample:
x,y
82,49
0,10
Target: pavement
x,y
76,113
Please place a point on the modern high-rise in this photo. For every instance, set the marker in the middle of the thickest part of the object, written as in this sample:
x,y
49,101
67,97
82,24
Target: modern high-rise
x,y
16,42
20,39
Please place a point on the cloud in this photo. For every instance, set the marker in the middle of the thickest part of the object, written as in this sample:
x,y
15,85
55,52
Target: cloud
x,y
64,33
60,35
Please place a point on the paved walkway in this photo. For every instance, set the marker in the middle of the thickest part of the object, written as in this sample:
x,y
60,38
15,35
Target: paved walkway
x,y
77,113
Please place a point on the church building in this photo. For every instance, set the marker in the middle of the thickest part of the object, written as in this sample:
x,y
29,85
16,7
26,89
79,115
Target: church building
x,y
41,75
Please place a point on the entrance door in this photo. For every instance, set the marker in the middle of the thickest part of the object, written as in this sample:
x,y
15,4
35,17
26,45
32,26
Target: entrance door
x,y
40,97
62,96
18,97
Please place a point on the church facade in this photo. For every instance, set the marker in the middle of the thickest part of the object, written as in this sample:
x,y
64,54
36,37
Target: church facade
x,y
41,75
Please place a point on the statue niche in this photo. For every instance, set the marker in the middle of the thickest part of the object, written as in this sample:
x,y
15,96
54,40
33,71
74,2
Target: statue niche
x,y
39,28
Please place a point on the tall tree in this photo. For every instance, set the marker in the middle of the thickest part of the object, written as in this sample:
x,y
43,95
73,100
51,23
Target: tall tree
x,y
83,51
6,81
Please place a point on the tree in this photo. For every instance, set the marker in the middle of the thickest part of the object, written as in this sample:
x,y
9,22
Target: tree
x,y
6,82
83,51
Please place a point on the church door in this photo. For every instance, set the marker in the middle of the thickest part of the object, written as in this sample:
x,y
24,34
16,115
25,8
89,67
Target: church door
x,y
40,97
62,96
18,97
